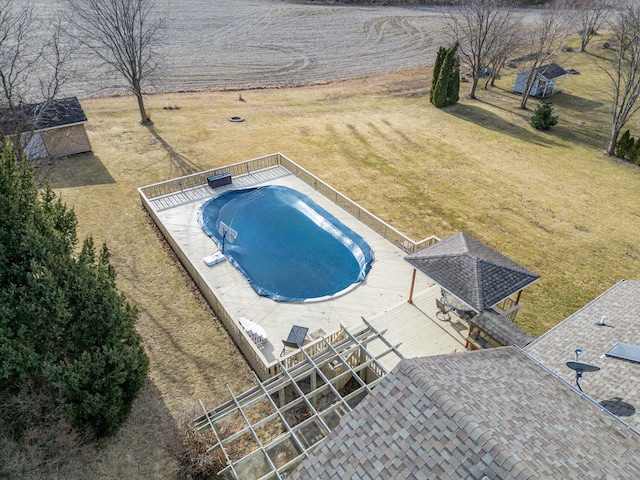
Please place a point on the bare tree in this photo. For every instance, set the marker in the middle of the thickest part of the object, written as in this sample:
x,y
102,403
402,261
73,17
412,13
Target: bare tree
x,y
545,36
122,34
479,26
592,16
624,70
509,43
33,59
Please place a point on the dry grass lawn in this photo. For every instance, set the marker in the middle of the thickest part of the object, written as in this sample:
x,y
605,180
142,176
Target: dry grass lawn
x,y
551,201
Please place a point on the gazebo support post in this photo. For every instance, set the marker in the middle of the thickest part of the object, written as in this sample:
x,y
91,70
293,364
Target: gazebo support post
x,y
518,297
413,283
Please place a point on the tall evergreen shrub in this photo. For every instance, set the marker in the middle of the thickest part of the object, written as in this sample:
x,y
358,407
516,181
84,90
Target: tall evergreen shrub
x,y
633,153
63,324
453,90
436,71
625,145
446,78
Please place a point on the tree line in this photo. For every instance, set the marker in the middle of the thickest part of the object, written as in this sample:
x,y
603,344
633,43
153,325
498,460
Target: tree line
x,y
490,32
122,35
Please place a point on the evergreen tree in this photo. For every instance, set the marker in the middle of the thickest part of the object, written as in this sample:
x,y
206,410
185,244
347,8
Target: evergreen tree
x,y
63,323
543,117
633,152
436,71
446,78
625,145
453,88
442,85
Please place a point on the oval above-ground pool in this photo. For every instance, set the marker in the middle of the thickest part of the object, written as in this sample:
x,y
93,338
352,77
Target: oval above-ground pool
x,y
287,246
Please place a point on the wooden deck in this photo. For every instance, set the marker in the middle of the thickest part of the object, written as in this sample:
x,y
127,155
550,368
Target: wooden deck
x,y
416,331
381,298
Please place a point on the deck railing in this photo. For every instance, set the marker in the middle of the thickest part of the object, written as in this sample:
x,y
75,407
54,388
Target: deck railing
x,y
311,349
248,166
245,344
508,308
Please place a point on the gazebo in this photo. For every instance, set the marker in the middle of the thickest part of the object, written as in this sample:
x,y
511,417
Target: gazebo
x,y
473,275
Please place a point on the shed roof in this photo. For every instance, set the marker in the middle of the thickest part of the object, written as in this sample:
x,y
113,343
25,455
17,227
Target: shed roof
x,y
502,329
42,116
617,384
549,71
493,412
475,273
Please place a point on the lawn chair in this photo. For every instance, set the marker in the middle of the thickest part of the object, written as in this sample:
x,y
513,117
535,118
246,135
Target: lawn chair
x,y
254,331
443,309
296,337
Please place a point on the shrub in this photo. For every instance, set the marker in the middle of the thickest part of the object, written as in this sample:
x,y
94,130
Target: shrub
x,y
625,145
634,153
189,448
543,117
437,66
445,85
62,319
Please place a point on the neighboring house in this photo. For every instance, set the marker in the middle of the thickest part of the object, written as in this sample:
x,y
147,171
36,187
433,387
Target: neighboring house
x,y
549,79
50,129
502,413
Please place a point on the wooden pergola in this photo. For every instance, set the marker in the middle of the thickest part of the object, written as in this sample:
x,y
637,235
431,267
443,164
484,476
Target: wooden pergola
x,y
281,420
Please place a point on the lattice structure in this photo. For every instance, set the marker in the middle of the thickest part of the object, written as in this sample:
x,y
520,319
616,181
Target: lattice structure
x,y
265,432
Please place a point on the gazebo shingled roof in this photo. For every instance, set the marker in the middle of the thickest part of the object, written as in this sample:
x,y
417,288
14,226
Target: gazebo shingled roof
x,y
471,271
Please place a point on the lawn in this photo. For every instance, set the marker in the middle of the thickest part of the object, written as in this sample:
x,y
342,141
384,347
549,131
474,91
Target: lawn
x,y
554,202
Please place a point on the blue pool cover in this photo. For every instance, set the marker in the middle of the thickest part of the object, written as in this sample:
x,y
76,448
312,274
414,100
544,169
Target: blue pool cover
x,y
288,247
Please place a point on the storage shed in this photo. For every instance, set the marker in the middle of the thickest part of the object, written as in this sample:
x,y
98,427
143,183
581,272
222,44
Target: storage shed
x,y
549,79
51,129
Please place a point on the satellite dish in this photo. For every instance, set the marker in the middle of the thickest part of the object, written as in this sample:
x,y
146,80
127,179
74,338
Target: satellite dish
x,y
580,368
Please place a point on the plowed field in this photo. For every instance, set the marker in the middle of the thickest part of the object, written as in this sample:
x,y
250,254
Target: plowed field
x,y
258,43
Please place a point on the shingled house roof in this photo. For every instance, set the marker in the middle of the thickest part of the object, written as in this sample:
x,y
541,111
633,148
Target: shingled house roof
x,y
502,329
475,273
496,413
617,385
42,116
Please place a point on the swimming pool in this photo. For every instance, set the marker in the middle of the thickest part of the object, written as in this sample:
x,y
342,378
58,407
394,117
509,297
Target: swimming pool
x,y
288,247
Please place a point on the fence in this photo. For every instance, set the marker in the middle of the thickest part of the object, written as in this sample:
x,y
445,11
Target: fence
x,y
508,308
248,166
245,344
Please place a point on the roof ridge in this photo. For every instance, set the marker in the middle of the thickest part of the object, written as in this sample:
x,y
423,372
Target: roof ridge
x,y
465,241
452,409
514,266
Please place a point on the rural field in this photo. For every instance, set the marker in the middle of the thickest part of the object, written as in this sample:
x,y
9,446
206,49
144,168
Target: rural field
x,y
551,201
256,43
